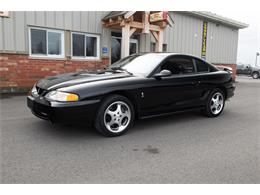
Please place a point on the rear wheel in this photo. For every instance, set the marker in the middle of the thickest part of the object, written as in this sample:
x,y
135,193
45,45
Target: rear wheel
x,y
114,116
215,103
255,75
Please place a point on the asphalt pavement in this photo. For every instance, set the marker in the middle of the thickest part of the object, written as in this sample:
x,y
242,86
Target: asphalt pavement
x,y
182,148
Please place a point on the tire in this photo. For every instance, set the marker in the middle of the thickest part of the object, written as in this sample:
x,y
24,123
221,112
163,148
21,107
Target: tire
x,y
255,75
115,116
214,105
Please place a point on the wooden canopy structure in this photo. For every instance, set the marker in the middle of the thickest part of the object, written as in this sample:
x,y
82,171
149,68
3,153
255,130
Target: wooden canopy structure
x,y
138,22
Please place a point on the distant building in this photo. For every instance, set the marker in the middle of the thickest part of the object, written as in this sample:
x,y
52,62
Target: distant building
x,y
38,44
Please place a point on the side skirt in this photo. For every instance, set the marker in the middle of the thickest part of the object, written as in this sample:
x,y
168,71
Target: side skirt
x,y
171,113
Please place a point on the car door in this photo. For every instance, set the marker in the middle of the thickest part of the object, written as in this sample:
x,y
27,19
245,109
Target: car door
x,y
175,92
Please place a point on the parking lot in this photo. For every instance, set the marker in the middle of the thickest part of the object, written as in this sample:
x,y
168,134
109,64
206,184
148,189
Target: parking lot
x,y
183,148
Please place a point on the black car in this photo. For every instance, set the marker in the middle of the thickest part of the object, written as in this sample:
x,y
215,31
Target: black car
x,y
136,87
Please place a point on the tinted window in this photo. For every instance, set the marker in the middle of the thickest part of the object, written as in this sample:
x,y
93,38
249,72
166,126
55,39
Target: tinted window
x,y
54,43
38,41
179,65
78,45
201,66
91,46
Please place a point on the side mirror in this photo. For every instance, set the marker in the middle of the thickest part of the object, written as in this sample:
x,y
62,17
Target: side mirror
x,y
163,73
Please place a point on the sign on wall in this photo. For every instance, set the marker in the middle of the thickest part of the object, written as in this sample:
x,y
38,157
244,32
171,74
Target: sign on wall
x,y
158,16
204,40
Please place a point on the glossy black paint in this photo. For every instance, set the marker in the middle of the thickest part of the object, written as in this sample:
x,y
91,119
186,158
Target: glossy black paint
x,y
150,95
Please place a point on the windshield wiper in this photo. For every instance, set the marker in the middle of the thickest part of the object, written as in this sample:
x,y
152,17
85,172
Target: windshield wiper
x,y
121,69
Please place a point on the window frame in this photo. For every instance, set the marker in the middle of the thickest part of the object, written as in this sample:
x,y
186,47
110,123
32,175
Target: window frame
x,y
47,55
86,57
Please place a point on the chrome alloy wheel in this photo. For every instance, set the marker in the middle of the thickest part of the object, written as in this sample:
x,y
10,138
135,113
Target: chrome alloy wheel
x,y
117,116
216,103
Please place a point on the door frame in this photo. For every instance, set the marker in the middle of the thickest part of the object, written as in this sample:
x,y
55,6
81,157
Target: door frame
x,y
135,41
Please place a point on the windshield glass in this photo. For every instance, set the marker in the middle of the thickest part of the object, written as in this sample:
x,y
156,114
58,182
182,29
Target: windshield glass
x,y
139,64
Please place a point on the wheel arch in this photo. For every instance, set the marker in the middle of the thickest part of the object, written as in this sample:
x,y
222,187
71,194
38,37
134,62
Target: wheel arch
x,y
129,96
223,89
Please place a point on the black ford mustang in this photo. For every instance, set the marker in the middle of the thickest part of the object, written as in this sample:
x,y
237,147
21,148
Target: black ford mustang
x,y
138,86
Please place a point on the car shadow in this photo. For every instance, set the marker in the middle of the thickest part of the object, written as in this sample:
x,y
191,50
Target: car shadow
x,y
81,130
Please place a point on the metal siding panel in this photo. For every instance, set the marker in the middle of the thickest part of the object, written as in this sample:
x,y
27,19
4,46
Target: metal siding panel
x,y
30,17
76,20
9,33
84,21
50,19
40,18
182,34
222,48
59,21
91,24
98,21
20,31
1,34
68,20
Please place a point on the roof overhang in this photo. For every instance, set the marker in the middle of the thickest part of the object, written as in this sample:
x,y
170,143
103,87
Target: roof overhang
x,y
218,19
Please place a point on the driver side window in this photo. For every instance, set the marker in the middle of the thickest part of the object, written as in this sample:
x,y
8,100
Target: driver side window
x,y
178,65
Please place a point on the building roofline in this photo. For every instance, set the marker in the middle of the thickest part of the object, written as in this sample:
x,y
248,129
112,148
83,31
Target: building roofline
x,y
219,19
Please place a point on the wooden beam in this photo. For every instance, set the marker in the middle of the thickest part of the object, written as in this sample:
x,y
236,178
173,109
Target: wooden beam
x,y
159,43
155,35
111,24
146,22
155,27
125,44
132,31
138,25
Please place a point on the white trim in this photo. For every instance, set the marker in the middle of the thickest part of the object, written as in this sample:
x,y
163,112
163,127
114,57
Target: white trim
x,y
62,55
86,57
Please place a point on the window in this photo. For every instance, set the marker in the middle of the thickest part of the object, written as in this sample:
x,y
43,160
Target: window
x,y
201,66
85,46
152,49
178,65
46,43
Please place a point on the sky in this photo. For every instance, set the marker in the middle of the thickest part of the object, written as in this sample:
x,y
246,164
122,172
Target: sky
x,y
249,38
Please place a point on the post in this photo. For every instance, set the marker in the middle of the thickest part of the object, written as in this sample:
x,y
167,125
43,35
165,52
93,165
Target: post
x,y
125,40
257,54
159,42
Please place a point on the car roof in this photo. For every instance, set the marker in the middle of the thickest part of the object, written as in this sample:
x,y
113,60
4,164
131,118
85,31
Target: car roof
x,y
166,54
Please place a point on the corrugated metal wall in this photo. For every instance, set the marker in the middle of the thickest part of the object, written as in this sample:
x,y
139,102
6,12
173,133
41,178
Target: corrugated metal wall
x,y
14,30
222,44
184,37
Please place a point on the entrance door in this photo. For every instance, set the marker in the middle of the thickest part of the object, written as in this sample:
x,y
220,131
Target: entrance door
x,y
116,48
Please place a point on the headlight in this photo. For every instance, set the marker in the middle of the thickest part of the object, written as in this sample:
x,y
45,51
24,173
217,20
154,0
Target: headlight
x,y
62,96
34,91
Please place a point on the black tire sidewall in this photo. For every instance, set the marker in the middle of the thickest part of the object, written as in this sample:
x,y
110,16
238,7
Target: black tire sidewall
x,y
207,110
255,73
99,122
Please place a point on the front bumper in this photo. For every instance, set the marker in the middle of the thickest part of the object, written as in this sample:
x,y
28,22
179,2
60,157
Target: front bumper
x,y
63,112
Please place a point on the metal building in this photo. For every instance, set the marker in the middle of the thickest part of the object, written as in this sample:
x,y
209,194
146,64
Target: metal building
x,y
38,44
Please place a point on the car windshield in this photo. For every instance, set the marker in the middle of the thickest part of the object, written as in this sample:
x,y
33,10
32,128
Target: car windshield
x,y
138,64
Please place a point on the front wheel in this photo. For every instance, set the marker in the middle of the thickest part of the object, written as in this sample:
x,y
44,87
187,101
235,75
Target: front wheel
x,y
215,103
255,75
114,116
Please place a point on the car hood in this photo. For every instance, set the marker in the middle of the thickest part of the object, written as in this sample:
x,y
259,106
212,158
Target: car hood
x,y
69,79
